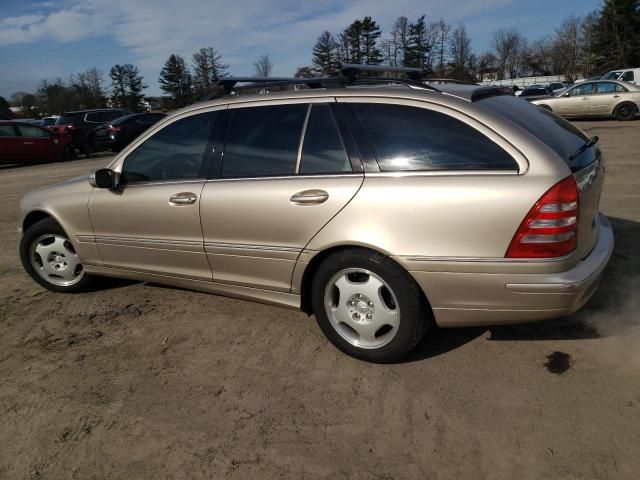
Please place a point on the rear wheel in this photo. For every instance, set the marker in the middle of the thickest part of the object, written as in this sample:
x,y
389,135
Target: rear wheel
x,y
49,257
625,111
368,306
69,153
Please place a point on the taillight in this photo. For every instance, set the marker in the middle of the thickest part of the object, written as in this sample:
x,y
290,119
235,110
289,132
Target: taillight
x,y
115,128
550,229
69,127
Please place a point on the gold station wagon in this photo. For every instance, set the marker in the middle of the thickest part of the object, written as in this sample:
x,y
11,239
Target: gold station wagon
x,y
377,208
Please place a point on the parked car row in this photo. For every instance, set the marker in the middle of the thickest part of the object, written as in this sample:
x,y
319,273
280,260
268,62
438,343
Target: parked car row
x,y
23,142
61,137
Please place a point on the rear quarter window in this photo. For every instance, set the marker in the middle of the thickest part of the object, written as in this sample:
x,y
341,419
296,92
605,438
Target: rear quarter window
x,y
416,139
557,133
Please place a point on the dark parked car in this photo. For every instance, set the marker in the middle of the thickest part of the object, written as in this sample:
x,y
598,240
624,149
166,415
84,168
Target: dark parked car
x,y
81,125
22,142
119,133
535,93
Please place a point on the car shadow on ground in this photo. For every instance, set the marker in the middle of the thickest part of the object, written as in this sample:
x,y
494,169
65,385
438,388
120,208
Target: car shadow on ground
x,y
614,308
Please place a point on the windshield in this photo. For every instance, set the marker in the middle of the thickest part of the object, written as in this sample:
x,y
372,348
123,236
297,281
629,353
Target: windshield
x,y
557,133
612,75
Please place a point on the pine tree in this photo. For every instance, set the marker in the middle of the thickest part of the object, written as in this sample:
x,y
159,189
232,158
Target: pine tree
x,y
207,70
370,53
419,44
324,59
616,35
175,79
5,111
118,89
134,84
353,35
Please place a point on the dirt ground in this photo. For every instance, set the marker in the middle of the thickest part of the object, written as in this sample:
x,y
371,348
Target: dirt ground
x,y
139,381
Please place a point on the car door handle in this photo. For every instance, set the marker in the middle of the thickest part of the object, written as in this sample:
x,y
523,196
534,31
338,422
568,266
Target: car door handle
x,y
616,96
183,198
585,98
310,197
28,143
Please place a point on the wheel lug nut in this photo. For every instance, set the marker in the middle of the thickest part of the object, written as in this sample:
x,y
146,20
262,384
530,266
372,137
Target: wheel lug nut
x,y
369,316
352,303
356,316
371,304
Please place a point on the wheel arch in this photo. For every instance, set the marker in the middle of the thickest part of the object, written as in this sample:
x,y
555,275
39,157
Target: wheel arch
x,y
34,216
310,270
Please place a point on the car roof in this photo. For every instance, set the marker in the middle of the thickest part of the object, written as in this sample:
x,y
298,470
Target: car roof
x,y
75,112
627,85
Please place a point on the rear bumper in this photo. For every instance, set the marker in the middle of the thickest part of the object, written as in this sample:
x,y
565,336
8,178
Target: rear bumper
x,y
467,299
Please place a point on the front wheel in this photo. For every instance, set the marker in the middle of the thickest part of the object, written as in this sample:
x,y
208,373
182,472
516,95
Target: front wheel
x,y
50,259
368,306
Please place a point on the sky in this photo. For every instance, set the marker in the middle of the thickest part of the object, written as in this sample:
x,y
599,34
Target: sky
x,y
51,39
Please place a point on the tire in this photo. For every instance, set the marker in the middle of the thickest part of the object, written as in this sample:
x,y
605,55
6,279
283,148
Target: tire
x,y
48,256
625,111
368,306
546,107
69,153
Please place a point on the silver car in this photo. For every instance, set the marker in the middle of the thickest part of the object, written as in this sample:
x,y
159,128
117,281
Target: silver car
x,y
379,210
606,98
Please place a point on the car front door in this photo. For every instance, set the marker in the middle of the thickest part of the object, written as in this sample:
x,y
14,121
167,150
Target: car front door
x,y
576,101
605,97
283,175
151,223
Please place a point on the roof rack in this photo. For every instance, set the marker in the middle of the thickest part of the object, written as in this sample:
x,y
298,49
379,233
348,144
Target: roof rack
x,y
349,76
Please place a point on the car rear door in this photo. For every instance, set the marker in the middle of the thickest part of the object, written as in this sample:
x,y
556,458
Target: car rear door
x,y
11,150
605,97
151,223
37,144
284,174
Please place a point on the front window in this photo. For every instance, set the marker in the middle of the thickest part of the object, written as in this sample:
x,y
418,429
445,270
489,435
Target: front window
x,y
414,139
581,90
177,152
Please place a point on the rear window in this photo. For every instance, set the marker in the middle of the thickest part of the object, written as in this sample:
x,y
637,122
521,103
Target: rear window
x,y
416,139
556,132
534,91
66,118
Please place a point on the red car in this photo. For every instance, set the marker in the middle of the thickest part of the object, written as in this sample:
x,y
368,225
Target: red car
x,y
22,142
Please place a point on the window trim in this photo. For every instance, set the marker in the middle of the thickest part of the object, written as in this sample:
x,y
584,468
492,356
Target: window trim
x,y
518,157
301,141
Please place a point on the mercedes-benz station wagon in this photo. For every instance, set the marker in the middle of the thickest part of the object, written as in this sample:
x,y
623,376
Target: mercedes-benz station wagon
x,y
377,209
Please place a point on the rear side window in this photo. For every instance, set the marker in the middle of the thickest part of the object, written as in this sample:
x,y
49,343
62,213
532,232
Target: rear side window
x,y
410,138
66,118
322,149
7,131
606,87
177,152
29,131
557,133
263,141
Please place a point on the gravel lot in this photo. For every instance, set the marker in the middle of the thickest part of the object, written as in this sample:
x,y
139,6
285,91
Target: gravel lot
x,y
140,381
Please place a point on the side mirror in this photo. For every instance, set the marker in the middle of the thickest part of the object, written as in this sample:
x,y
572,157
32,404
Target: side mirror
x,y
105,178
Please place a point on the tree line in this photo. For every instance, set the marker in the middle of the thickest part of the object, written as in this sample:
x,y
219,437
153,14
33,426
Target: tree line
x,y
592,44
584,46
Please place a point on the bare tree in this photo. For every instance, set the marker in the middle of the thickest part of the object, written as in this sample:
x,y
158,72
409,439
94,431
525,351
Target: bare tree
x,y
398,40
587,30
567,45
443,29
509,46
263,66
461,55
